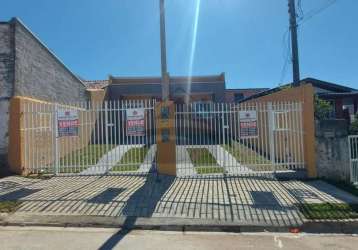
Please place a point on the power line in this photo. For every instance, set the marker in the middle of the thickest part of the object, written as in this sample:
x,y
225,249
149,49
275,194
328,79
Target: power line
x,y
301,18
304,17
299,8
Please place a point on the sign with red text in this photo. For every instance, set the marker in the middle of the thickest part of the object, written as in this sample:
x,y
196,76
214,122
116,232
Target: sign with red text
x,y
135,122
248,124
67,122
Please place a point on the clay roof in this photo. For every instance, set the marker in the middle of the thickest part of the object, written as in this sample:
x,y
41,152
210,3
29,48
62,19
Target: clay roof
x,y
96,84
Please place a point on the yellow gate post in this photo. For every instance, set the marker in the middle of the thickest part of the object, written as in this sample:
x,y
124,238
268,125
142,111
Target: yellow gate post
x,y
165,123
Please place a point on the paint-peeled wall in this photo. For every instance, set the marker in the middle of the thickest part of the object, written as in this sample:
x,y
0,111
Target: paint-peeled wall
x,y
332,150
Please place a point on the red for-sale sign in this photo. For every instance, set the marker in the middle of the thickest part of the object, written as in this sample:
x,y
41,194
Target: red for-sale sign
x,y
67,123
248,124
135,122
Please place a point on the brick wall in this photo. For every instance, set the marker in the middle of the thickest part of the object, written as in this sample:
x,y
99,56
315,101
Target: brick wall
x,y
6,83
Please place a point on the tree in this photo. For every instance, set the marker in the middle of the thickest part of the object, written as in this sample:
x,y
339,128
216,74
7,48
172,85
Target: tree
x,y
322,108
353,129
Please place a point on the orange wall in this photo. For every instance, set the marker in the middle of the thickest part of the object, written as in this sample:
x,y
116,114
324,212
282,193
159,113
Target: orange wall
x,y
304,94
30,146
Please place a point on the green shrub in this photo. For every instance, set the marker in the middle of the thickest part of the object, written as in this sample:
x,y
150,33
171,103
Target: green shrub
x,y
353,129
322,108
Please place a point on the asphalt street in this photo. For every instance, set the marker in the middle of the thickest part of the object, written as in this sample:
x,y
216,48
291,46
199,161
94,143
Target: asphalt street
x,y
104,238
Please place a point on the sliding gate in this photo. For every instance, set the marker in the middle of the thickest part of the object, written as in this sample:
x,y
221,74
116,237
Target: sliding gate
x,y
236,139
89,138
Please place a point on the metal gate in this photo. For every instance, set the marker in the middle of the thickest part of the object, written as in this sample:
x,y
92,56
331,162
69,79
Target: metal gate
x,y
353,157
111,137
234,139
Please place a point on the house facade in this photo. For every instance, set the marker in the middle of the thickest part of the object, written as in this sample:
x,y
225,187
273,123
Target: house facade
x,y
211,88
344,100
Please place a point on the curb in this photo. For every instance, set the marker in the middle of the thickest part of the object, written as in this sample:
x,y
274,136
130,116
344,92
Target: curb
x,y
331,227
178,224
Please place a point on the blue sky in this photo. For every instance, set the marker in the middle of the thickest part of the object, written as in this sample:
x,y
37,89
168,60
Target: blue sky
x,y
243,38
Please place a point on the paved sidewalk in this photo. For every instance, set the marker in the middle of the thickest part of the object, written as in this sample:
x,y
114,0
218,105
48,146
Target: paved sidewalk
x,y
257,200
110,159
184,165
226,160
148,159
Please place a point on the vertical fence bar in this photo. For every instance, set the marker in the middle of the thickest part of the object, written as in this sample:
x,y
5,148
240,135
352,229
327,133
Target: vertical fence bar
x,y
271,133
106,133
32,129
350,140
55,139
24,108
353,158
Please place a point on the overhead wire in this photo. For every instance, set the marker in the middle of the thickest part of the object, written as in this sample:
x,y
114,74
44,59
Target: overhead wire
x,y
302,18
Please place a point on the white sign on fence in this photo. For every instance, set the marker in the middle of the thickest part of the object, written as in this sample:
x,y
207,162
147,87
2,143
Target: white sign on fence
x,y
135,122
67,122
248,123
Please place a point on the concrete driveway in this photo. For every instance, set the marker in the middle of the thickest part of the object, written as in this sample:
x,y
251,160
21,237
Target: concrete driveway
x,y
261,199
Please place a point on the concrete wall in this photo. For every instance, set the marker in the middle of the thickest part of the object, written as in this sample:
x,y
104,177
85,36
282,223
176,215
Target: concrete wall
x,y
6,83
40,74
332,157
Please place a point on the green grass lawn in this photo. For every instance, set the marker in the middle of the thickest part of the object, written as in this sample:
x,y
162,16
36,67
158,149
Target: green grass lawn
x,y
245,155
9,206
131,160
329,211
78,160
204,162
248,157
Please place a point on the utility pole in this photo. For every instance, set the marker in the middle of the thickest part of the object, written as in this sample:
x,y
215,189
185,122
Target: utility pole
x,y
294,43
163,52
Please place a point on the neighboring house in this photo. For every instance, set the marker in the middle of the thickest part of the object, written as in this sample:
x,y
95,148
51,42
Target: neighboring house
x,y
96,84
343,99
194,89
29,68
236,95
